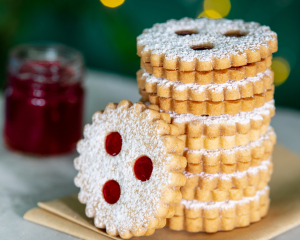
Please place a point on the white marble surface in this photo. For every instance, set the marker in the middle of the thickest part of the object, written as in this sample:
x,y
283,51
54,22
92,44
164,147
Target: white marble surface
x,y
25,180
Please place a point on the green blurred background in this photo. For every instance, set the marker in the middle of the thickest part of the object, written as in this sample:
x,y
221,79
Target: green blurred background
x,y
107,36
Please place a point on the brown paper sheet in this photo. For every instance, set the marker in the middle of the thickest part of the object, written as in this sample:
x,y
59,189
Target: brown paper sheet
x,y
67,214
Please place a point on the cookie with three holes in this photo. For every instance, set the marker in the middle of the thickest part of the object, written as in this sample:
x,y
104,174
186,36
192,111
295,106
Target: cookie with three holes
x,y
205,44
130,169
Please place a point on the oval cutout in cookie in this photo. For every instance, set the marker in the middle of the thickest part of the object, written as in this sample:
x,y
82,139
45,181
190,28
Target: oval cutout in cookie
x,y
113,143
143,168
111,191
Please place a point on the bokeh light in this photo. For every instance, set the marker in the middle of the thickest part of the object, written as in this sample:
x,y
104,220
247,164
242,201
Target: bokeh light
x,y
281,68
215,8
210,14
112,3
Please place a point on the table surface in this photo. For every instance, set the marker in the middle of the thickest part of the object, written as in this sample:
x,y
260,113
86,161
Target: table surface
x,y
25,180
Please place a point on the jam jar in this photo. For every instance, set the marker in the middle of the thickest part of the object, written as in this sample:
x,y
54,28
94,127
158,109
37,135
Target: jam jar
x,y
44,99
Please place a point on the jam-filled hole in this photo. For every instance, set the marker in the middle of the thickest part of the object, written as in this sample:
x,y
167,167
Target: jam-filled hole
x,y
202,47
235,34
113,143
186,32
143,168
111,191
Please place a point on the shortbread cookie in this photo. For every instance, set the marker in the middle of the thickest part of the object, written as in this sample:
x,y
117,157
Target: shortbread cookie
x,y
216,92
130,170
238,158
220,187
205,44
144,96
225,125
211,108
196,216
214,76
223,142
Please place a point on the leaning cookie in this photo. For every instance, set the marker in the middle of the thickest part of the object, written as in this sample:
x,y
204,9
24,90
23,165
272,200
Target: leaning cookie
x,y
130,170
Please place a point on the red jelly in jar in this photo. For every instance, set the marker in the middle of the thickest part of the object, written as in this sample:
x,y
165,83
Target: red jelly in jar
x,y
44,99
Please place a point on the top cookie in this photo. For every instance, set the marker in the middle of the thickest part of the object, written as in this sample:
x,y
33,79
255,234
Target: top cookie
x,y
205,44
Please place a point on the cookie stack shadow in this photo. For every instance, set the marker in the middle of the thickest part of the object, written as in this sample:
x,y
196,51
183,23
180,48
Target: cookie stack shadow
x,y
219,93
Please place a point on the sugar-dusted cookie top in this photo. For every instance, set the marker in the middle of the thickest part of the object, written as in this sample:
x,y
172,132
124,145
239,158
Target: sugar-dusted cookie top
x,y
205,44
130,169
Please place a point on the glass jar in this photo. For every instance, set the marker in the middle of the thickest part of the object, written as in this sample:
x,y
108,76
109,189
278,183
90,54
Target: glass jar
x,y
44,99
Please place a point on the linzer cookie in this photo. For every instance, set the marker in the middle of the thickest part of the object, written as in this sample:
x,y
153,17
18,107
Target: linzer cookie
x,y
130,170
211,108
220,132
239,158
220,187
205,44
222,142
224,125
206,77
197,216
230,90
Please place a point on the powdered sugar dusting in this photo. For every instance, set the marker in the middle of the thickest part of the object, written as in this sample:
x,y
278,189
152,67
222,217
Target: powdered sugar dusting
x,y
139,200
162,39
195,204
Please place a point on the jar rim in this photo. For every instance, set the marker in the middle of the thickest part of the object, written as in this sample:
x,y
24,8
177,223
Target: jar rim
x,y
46,63
49,52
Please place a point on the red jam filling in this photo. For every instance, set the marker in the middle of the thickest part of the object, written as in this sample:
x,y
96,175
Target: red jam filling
x,y
201,48
113,143
44,108
111,191
185,32
143,168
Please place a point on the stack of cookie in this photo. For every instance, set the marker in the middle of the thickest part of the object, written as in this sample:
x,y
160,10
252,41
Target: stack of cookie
x,y
213,78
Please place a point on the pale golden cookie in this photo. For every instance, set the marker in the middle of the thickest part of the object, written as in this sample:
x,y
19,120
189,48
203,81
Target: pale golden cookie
x,y
208,133
225,125
130,169
194,126
223,142
196,216
230,90
205,44
220,187
206,77
239,158
211,108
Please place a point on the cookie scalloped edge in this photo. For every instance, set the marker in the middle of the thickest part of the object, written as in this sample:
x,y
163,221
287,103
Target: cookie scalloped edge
x,y
195,216
211,108
213,76
230,90
173,148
